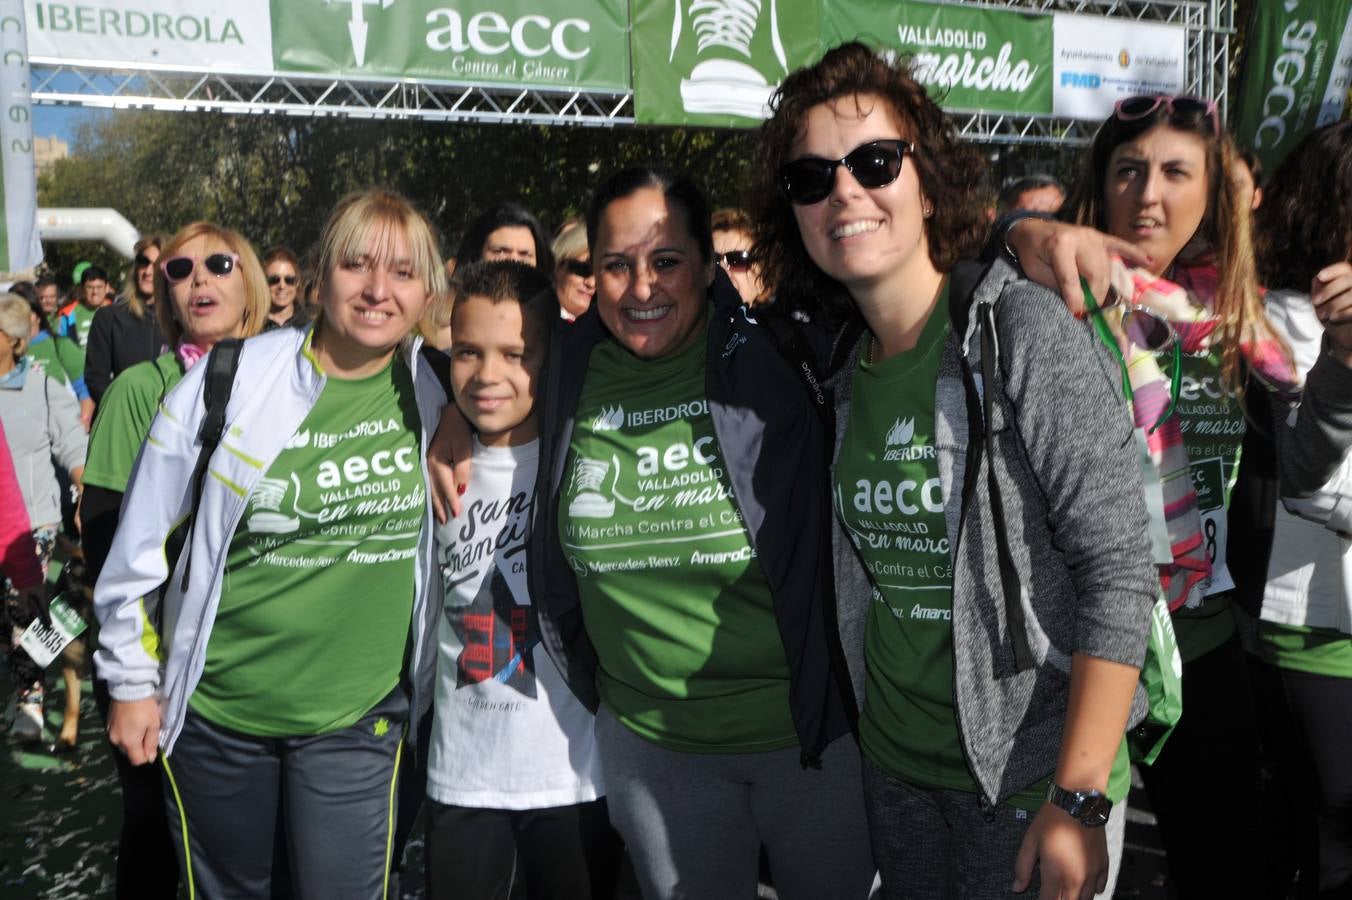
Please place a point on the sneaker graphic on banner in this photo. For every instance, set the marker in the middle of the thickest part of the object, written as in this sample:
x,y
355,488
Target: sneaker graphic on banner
x,y
725,78
589,476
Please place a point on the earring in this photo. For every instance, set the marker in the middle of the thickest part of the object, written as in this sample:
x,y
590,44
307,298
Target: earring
x,y
928,210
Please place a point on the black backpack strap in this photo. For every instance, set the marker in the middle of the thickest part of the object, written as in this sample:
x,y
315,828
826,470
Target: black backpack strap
x,y
1010,584
792,345
221,363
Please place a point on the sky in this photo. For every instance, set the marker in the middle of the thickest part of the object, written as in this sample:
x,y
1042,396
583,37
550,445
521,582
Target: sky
x,y
63,121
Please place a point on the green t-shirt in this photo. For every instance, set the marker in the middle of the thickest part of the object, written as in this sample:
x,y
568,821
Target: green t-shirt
x,y
124,418
58,358
674,597
890,498
83,321
1318,651
319,577
1212,424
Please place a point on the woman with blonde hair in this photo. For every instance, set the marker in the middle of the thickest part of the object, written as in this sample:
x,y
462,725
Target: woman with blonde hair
x,y
574,280
145,861
297,622
127,332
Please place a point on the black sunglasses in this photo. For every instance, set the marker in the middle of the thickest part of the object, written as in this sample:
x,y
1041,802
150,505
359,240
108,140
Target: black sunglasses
x,y
274,280
875,164
734,260
580,267
179,268
142,261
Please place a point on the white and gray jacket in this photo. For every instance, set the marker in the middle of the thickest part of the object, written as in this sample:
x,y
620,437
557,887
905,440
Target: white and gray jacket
x,y
42,422
1309,575
276,386
1074,513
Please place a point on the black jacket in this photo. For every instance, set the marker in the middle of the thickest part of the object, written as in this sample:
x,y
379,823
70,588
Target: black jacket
x,y
776,450
119,340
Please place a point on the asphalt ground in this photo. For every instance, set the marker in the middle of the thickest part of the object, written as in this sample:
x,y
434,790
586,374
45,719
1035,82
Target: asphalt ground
x,y
60,812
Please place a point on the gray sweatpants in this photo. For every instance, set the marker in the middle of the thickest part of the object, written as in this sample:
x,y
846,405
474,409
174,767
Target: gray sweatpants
x,y
694,823
939,844
337,795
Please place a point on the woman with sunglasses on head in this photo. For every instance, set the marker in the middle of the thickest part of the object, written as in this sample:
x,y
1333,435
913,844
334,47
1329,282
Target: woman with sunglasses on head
x,y
146,863
732,251
297,623
282,270
1297,553
993,617
574,280
1159,175
127,332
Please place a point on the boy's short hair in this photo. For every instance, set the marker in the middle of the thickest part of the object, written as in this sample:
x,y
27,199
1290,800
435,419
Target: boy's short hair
x,y
93,273
508,280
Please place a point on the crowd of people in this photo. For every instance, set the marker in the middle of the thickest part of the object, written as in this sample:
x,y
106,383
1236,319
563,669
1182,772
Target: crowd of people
x,y
861,540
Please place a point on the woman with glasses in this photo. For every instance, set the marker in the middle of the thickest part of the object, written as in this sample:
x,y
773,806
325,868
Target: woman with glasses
x,y
574,280
282,270
298,638
126,333
994,618
732,251
1159,176
146,866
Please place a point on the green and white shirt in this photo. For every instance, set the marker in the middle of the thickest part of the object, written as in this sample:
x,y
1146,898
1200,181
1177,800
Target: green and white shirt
x,y
673,595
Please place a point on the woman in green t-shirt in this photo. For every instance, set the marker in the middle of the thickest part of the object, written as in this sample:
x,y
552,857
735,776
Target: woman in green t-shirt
x,y
299,628
995,616
146,864
1304,250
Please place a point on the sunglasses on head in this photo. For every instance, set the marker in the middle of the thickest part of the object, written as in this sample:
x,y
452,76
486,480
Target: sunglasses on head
x,y
582,268
1144,328
274,280
1130,109
734,260
875,164
180,268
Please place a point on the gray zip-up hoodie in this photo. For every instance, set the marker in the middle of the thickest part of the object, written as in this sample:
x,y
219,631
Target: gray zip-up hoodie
x,y
1074,515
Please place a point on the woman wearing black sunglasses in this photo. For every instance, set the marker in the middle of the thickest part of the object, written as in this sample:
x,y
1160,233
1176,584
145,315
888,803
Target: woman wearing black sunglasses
x,y
1158,175
996,616
282,270
146,864
127,332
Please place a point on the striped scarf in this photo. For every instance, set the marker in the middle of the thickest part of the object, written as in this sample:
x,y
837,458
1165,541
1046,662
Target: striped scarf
x,y
1186,301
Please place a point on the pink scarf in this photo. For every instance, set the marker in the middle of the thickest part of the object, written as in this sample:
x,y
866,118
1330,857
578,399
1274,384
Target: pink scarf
x,y
188,354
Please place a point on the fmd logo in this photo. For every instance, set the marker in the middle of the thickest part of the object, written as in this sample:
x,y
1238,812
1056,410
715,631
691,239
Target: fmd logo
x,y
1080,80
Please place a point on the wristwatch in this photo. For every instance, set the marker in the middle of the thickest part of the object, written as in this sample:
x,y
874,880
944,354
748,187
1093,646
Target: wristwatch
x,y
1089,808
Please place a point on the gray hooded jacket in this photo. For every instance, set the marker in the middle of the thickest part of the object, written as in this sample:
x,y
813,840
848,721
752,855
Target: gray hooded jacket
x,y
1073,512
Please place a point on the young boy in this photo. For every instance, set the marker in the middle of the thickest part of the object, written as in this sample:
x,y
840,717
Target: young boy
x,y
513,780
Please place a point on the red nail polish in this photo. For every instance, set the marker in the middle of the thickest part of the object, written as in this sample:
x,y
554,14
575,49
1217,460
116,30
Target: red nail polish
x,y
460,488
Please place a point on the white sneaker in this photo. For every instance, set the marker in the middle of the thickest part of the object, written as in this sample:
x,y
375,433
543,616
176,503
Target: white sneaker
x,y
28,717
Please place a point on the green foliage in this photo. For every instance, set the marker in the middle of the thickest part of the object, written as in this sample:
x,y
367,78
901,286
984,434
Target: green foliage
x,y
274,178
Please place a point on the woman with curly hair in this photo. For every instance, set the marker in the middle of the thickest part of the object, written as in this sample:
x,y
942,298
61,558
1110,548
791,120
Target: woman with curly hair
x,y
993,617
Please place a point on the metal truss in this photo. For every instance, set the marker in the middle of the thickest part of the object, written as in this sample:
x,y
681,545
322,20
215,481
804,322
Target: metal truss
x,y
55,82
1208,24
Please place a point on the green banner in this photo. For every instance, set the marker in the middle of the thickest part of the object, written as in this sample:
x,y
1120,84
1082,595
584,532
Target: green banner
x,y
704,62
1297,67
969,58
550,43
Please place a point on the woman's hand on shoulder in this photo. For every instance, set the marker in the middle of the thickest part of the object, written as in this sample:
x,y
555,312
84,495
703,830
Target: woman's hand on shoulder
x,y
134,728
1057,255
1072,859
448,462
1331,294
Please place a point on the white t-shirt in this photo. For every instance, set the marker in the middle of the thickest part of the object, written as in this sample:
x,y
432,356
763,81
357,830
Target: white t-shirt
x,y
508,733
